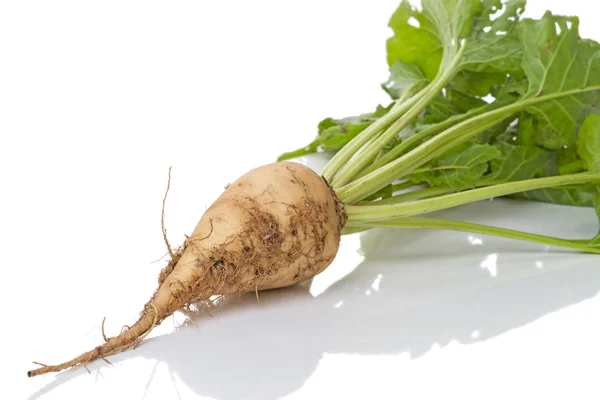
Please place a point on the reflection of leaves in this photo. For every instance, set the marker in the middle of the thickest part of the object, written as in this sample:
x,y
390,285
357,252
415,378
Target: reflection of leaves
x,y
596,240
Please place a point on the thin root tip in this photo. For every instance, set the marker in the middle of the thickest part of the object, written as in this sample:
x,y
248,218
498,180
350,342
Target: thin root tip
x,y
29,373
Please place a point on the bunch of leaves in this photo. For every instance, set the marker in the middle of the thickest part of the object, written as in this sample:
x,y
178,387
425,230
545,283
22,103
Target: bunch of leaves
x,y
333,134
466,45
483,102
561,136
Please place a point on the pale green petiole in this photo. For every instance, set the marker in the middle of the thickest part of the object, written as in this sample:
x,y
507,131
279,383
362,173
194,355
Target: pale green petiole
x,y
406,164
413,195
398,150
371,152
370,183
341,158
434,223
372,213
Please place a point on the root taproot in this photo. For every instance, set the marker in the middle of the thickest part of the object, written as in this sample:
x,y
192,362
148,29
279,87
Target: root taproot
x,y
114,345
277,225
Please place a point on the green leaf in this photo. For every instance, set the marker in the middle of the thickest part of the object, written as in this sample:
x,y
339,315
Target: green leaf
x,y
494,46
569,162
518,162
311,148
446,106
567,156
512,87
513,9
433,37
413,44
452,20
460,168
588,143
403,78
336,137
491,135
555,60
525,130
463,101
493,54
582,195
477,83
336,133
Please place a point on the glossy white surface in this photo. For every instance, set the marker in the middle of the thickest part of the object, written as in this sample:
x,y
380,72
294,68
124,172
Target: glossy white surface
x,y
98,102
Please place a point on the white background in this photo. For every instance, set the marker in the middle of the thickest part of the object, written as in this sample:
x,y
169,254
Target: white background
x,y
98,99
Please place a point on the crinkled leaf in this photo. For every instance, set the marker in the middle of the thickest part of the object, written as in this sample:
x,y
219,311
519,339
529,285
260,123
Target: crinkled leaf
x,y
493,45
557,60
494,133
451,20
512,87
443,107
413,44
477,83
433,36
487,48
581,195
336,133
588,143
513,9
493,51
403,78
569,162
488,8
518,162
555,57
336,137
439,110
460,168
525,130
354,120
463,101
499,54
567,155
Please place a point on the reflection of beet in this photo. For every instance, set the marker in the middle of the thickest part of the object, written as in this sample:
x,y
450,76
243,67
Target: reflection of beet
x,y
270,349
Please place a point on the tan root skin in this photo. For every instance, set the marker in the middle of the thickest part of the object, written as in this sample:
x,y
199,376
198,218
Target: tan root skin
x,y
275,226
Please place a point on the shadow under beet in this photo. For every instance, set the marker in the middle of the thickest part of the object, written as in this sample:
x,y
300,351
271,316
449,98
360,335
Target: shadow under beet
x,y
399,300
